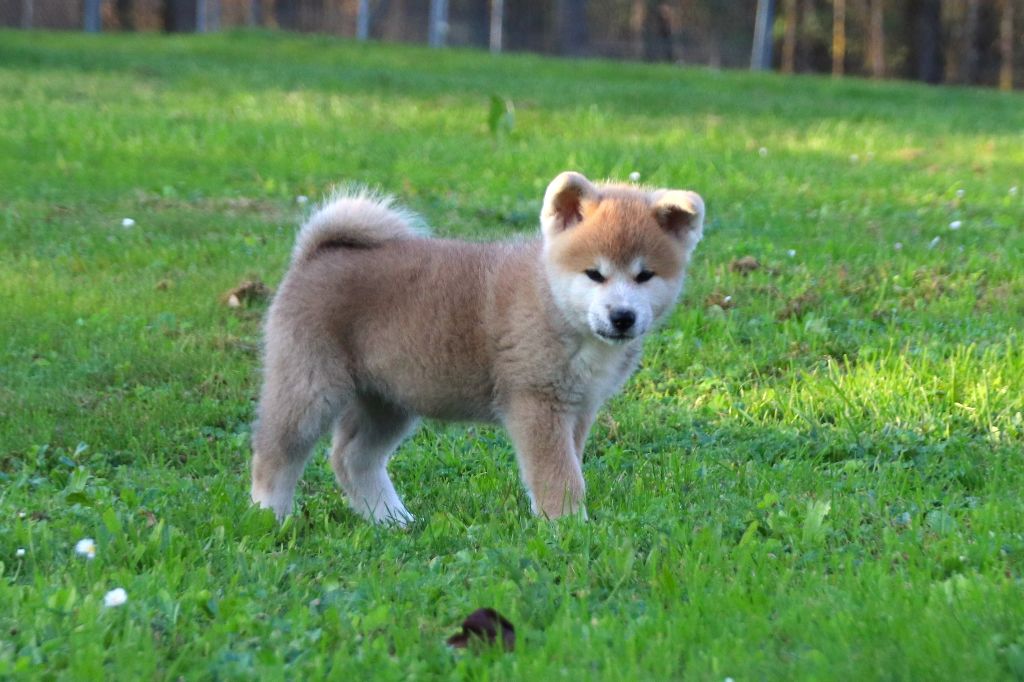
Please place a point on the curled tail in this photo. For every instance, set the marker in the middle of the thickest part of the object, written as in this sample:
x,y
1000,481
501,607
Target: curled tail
x,y
355,219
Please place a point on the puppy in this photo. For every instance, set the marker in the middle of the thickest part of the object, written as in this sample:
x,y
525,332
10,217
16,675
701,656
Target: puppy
x,y
376,325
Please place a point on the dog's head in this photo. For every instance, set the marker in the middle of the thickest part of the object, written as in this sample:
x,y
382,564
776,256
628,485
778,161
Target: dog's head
x,y
616,255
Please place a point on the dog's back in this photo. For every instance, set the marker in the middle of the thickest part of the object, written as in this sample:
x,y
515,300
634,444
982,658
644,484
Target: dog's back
x,y
406,319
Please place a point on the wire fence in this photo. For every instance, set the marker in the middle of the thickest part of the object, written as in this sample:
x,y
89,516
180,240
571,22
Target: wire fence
x,y
675,32
950,41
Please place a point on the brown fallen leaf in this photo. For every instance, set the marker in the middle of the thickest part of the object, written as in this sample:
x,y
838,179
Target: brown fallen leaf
x,y
717,298
484,626
745,265
796,307
247,292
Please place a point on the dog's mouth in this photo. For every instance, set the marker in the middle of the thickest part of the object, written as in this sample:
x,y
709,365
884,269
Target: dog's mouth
x,y
614,337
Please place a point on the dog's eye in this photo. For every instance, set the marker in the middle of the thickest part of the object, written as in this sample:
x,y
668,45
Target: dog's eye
x,y
594,275
644,276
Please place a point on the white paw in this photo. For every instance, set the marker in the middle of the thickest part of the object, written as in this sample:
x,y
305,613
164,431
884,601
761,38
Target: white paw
x,y
391,513
397,516
280,504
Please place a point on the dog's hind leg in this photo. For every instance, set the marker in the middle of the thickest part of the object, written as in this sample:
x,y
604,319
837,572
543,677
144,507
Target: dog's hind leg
x,y
365,436
296,408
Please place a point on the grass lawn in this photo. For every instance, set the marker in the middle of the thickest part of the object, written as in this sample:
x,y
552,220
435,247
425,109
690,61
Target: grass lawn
x,y
815,474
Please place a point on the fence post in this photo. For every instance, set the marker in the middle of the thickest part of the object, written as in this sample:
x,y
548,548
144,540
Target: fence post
x,y
27,10
91,9
497,19
256,13
761,54
200,16
1006,45
438,32
876,39
363,20
838,37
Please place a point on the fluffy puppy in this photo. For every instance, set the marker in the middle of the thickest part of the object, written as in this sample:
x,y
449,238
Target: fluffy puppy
x,y
377,324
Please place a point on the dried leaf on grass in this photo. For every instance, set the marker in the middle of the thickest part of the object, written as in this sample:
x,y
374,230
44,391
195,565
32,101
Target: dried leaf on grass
x,y
484,626
717,298
745,265
246,293
796,307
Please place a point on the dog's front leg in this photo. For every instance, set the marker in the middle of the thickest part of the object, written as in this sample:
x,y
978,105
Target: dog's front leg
x,y
581,428
545,445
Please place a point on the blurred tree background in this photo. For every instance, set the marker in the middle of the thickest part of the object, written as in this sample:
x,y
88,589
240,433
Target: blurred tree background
x,y
969,42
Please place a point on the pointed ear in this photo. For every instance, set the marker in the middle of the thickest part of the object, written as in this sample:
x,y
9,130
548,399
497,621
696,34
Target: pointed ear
x,y
563,203
681,214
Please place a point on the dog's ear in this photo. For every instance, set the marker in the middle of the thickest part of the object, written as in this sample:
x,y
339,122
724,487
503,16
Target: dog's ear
x,y
563,203
681,214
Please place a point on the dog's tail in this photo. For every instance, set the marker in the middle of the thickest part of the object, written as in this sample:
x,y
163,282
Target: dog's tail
x,y
355,218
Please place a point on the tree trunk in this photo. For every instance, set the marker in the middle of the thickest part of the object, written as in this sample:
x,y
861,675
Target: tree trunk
x,y
572,27
637,22
805,47
213,15
924,24
667,28
180,15
876,39
838,37
1006,45
789,37
125,14
286,14
497,25
971,56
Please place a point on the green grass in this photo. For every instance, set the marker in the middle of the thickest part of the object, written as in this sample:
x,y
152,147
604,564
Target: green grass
x,y
822,481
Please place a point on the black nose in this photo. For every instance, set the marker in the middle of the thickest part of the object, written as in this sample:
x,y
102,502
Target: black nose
x,y
622,318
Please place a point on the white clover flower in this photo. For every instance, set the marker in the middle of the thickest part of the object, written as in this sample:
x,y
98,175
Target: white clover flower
x,y
22,515
1014,190
20,552
854,158
960,194
127,222
634,176
763,151
935,242
116,597
791,253
301,200
86,547
898,245
956,224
